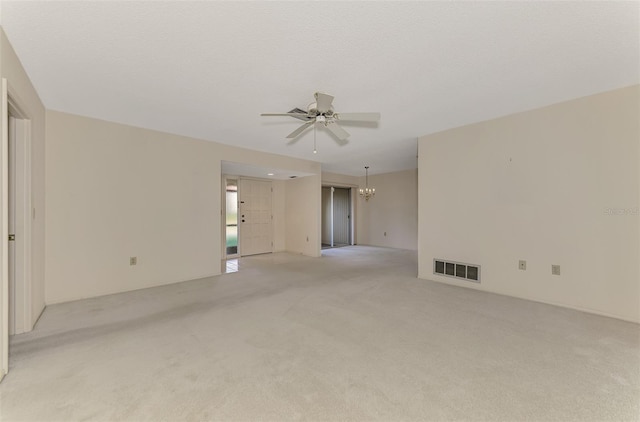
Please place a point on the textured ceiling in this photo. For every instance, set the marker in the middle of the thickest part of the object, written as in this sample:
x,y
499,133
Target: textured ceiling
x,y
208,69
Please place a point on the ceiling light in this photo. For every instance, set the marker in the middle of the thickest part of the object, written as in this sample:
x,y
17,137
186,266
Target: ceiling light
x,y
367,192
269,174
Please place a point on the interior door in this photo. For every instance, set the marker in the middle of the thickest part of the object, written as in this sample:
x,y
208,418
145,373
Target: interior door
x,y
256,232
12,224
4,233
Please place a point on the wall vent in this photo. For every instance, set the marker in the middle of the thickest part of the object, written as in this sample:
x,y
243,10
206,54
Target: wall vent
x,y
459,270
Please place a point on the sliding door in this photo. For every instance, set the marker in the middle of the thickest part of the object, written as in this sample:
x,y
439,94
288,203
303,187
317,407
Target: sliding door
x,y
341,217
336,217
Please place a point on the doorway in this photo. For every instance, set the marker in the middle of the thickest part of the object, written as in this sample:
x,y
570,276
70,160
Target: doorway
x,y
337,227
248,221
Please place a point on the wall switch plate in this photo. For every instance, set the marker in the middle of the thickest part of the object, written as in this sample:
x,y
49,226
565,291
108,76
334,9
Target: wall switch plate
x,y
522,264
133,260
555,269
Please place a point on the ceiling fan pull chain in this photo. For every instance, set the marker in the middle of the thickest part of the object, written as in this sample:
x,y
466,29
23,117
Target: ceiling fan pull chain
x,y
314,139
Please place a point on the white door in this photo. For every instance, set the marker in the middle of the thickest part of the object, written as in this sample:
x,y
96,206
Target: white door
x,y
12,224
256,232
4,233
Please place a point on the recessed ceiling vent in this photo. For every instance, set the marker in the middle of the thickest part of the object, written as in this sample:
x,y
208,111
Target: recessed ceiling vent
x,y
458,270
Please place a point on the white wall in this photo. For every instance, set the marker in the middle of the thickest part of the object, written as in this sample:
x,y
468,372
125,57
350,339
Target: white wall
x,y
25,96
556,185
115,191
394,210
303,197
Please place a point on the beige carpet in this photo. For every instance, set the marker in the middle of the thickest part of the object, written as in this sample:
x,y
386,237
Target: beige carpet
x,y
349,336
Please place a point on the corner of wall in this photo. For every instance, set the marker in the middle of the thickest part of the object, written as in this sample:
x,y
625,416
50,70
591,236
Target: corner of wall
x,y
303,215
555,185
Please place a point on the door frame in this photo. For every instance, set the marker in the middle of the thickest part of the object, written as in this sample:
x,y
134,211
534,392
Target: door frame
x,y
4,226
20,300
352,210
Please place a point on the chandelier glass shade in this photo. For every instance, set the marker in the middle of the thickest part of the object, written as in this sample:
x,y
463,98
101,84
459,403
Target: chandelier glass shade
x,y
367,192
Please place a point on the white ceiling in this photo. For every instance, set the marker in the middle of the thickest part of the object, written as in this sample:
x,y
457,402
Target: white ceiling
x,y
208,69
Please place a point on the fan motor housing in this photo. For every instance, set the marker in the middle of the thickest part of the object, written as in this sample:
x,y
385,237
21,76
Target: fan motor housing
x,y
313,111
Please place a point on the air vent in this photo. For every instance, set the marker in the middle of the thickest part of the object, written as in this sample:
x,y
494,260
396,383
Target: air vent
x,y
459,270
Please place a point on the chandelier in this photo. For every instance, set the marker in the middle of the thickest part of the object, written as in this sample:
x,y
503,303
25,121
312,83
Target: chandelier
x,y
367,192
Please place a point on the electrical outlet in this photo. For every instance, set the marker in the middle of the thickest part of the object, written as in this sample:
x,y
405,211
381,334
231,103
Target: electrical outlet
x,y
385,234
522,264
555,269
307,238
133,260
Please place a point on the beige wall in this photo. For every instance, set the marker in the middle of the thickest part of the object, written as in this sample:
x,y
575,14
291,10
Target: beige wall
x,y
116,191
25,96
556,185
302,205
393,210
339,180
279,220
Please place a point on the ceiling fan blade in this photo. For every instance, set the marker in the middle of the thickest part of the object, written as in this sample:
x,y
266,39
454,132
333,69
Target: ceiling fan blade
x,y
301,129
337,130
323,102
358,117
285,114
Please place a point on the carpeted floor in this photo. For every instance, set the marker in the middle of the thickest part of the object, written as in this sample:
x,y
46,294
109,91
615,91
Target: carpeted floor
x,y
349,336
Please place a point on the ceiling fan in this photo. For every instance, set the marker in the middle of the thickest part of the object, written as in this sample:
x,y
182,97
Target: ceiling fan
x,y
321,111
